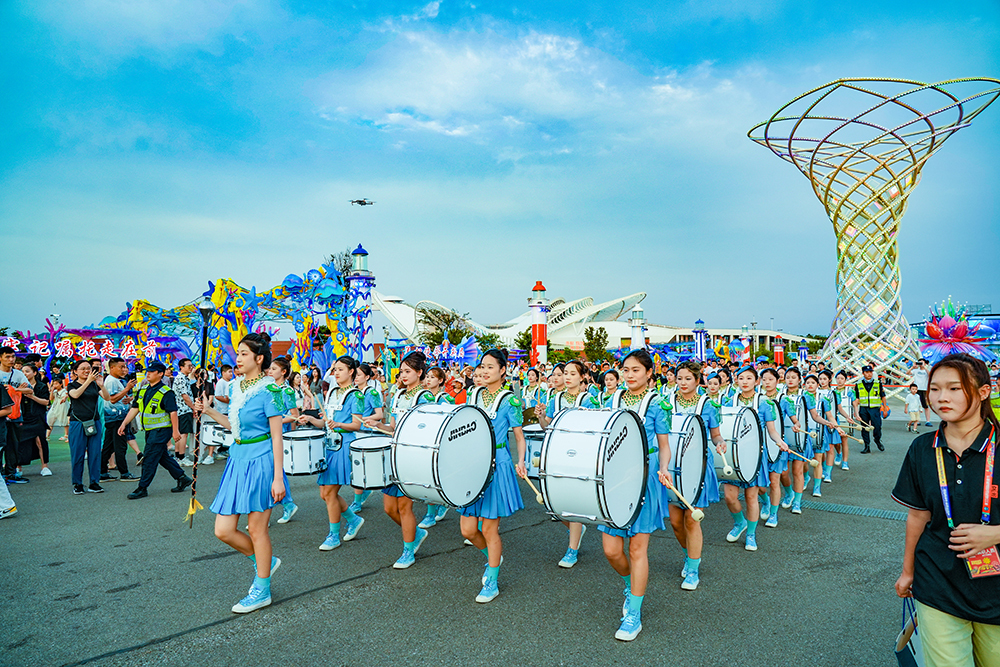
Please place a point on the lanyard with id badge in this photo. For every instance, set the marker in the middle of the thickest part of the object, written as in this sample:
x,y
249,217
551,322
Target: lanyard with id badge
x,y
986,563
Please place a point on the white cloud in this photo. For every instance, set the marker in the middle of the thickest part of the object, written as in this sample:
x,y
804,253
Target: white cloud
x,y
428,11
516,95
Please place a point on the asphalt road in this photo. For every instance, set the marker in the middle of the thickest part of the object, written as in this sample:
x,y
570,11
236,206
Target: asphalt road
x,y
98,579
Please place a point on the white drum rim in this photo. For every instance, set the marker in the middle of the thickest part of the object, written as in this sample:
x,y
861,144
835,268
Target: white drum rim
x,y
736,451
598,469
704,456
364,438
437,439
802,409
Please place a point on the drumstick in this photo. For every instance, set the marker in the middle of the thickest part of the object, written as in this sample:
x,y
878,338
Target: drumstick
x,y
538,496
812,462
696,513
854,439
726,468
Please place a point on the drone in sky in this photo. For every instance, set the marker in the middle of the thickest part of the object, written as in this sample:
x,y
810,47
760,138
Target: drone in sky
x,y
362,202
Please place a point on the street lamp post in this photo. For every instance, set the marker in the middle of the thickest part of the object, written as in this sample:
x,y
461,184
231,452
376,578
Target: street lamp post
x,y
207,309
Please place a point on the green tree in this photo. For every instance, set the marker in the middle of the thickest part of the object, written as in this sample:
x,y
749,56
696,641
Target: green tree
x,y
488,341
522,341
815,343
343,261
436,323
595,344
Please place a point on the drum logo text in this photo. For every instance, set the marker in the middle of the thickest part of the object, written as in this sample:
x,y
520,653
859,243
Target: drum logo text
x,y
617,443
465,429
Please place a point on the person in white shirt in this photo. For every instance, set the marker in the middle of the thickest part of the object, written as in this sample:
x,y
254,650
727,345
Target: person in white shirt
x,y
914,409
920,375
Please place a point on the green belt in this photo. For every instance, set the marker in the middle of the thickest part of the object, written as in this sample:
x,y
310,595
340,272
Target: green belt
x,y
652,450
251,441
501,445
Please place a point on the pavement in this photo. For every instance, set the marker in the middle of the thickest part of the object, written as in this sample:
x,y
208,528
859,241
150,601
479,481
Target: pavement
x,y
101,580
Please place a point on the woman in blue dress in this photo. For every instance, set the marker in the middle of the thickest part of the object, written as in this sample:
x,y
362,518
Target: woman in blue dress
x,y
822,413
341,418
252,482
747,396
688,401
789,407
280,370
609,385
366,383
633,566
778,470
503,494
533,391
574,395
434,383
412,370
846,399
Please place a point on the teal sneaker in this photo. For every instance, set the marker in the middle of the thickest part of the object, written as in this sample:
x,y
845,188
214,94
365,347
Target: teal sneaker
x,y
430,519
442,510
289,512
630,627
737,530
421,536
405,561
772,521
569,560
838,459
331,542
751,544
489,592
254,600
691,581
353,527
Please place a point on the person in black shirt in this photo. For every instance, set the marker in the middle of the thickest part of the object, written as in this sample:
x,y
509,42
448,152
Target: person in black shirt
x,y
83,393
33,408
958,616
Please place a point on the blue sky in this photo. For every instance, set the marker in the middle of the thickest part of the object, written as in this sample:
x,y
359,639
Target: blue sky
x,y
148,147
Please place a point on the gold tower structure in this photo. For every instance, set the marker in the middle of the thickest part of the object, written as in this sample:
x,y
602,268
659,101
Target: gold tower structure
x,y
862,143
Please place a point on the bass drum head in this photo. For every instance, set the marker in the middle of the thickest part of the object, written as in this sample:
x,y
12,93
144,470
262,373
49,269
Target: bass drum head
x,y
625,467
802,414
747,445
689,455
773,450
466,455
303,434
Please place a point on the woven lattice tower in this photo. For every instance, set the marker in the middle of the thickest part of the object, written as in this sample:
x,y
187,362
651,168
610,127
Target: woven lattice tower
x,y
862,143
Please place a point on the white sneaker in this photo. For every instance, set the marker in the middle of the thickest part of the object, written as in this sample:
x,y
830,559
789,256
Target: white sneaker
x,y
186,462
46,472
207,461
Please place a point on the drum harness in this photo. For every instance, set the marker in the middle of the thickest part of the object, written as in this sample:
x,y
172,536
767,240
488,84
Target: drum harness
x,y
617,402
494,408
335,439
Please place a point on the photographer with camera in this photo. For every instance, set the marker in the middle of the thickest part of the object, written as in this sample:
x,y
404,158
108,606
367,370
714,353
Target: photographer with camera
x,y
120,387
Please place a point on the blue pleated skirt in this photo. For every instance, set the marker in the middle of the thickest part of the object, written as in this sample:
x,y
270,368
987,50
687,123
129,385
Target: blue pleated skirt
x,y
338,467
762,479
832,437
654,509
779,466
815,448
503,495
246,482
393,490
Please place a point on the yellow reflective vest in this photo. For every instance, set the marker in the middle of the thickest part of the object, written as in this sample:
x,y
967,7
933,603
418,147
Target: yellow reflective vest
x,y
153,416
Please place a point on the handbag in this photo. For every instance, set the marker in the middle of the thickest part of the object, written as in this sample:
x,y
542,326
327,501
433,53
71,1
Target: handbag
x,y
89,426
908,650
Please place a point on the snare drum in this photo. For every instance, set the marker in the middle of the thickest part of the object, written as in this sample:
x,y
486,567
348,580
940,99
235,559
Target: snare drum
x,y
744,446
593,467
443,454
211,433
305,451
688,455
534,436
371,467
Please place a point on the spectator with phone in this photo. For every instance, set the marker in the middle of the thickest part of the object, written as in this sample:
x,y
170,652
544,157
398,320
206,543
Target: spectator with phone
x,y
85,425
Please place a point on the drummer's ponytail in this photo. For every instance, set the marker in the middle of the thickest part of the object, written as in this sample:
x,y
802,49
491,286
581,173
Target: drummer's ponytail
x,y
351,363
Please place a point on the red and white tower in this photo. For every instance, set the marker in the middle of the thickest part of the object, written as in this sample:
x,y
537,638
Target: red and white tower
x,y
539,306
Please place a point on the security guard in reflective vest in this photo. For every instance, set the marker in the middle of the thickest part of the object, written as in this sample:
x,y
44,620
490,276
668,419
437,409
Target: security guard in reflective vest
x,y
871,396
157,407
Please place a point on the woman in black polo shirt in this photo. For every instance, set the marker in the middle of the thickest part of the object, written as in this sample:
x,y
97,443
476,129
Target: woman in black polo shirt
x,y
950,562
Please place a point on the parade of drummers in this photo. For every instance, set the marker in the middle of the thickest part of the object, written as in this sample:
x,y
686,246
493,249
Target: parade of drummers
x,y
495,333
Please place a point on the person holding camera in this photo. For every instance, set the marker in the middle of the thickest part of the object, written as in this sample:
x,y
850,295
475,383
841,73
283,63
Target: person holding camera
x,y
114,413
85,425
